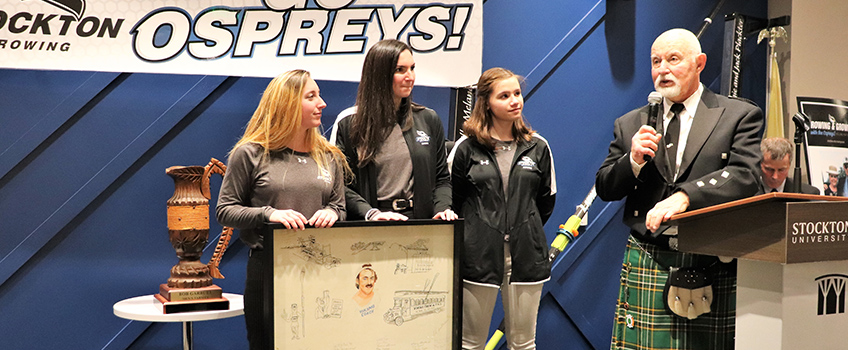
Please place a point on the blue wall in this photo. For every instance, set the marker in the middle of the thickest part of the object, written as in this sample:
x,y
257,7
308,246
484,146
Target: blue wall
x,y
83,154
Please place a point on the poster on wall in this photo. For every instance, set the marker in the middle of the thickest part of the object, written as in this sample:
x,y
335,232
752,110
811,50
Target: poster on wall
x,y
387,286
259,38
827,144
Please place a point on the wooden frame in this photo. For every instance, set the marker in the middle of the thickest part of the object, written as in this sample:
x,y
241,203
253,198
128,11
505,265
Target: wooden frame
x,y
313,297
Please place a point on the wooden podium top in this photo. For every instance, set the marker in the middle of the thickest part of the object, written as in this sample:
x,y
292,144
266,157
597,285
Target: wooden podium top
x,y
774,227
744,202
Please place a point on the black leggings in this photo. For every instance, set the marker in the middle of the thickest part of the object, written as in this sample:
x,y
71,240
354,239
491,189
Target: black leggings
x,y
254,303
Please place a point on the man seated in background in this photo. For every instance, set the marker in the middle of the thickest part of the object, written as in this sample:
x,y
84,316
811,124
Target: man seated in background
x,y
775,165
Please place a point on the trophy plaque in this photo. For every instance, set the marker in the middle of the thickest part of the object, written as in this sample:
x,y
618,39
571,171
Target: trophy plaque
x,y
190,286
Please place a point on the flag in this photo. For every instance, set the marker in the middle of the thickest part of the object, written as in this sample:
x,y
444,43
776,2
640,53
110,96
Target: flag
x,y
774,112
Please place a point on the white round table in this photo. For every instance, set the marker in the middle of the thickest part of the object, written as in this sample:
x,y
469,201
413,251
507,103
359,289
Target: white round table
x,y
145,308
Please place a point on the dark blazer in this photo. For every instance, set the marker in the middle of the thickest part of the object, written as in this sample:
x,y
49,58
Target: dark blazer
x,y
720,162
805,188
431,186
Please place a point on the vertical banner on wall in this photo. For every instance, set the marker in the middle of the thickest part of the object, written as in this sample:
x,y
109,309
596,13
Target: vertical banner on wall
x,y
259,38
827,144
731,67
461,104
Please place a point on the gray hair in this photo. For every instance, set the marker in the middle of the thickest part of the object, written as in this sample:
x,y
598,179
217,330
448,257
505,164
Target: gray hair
x,y
776,147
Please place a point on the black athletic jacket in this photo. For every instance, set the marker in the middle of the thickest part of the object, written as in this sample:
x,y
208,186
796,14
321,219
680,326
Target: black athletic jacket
x,y
478,197
431,188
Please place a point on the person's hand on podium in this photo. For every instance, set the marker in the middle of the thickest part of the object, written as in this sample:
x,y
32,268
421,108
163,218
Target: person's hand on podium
x,y
662,211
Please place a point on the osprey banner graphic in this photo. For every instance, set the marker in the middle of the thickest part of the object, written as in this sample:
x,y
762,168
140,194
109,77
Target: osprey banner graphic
x,y
75,8
260,38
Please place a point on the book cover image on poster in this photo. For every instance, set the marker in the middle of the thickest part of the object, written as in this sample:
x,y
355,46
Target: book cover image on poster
x,y
827,144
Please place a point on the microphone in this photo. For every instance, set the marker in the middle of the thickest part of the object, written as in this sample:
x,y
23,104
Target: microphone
x,y
802,125
654,101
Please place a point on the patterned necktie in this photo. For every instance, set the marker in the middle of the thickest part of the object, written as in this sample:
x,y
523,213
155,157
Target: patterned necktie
x,y
672,133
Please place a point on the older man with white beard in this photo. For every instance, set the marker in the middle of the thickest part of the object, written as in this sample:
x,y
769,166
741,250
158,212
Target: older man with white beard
x,y
705,153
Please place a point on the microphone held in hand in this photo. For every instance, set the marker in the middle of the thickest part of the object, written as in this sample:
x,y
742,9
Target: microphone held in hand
x,y
654,101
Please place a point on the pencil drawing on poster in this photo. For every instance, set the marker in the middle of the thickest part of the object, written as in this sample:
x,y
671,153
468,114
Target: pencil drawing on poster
x,y
295,317
418,256
328,308
307,248
412,304
363,246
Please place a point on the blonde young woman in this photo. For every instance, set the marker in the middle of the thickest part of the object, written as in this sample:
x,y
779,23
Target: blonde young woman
x,y
282,170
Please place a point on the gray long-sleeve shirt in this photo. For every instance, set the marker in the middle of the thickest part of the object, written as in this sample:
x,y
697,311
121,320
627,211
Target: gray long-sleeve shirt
x,y
254,187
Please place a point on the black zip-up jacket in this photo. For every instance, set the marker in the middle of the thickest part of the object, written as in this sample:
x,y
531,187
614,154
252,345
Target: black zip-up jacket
x,y
431,188
478,197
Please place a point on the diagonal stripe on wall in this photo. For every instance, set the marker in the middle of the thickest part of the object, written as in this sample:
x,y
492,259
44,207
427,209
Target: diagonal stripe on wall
x,y
91,168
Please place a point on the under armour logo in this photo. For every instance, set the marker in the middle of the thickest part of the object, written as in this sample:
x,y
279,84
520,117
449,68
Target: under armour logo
x,y
301,160
484,162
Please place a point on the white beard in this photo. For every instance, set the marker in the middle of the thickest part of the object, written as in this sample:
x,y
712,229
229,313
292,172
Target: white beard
x,y
667,92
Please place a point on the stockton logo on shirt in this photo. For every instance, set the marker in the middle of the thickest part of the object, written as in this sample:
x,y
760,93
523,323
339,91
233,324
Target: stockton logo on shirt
x,y
422,138
526,163
325,175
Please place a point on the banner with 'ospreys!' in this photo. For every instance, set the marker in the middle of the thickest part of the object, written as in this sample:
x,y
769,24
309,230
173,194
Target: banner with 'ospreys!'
x,y
259,38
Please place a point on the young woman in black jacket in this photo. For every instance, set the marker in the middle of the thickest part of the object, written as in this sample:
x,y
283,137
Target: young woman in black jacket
x,y
504,187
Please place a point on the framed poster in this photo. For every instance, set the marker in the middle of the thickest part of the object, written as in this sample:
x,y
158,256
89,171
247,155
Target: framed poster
x,y
827,144
365,285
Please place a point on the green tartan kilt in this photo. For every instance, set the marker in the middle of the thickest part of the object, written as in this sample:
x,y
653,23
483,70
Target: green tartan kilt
x,y
642,321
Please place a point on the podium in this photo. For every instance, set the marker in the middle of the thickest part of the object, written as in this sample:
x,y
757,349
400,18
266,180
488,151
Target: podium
x,y
792,252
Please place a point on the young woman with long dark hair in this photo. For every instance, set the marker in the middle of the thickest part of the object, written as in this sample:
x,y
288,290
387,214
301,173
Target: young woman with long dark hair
x,y
395,147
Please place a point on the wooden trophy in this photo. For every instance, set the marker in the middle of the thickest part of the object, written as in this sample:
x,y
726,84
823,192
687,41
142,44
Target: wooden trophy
x,y
190,286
